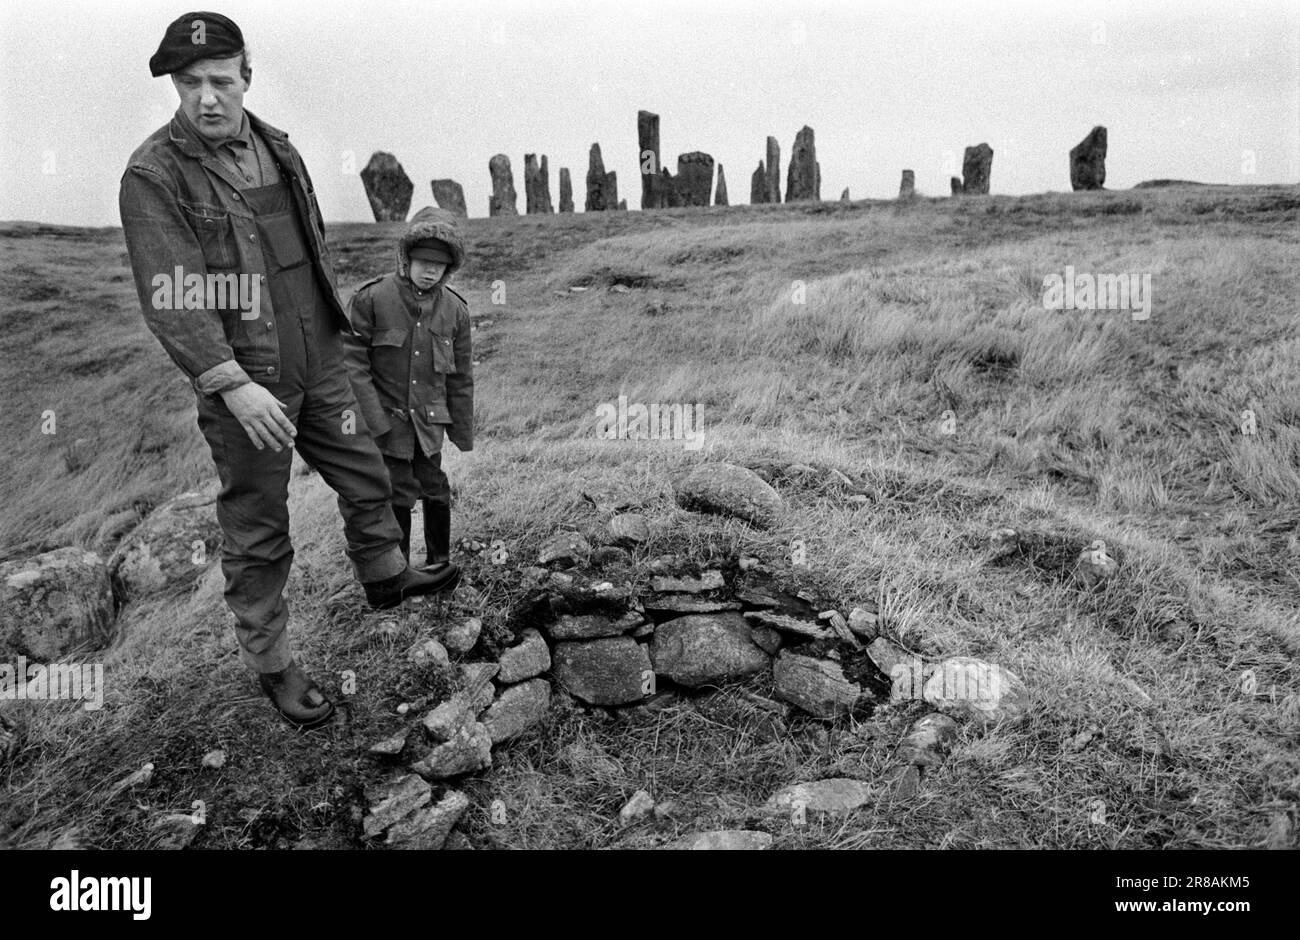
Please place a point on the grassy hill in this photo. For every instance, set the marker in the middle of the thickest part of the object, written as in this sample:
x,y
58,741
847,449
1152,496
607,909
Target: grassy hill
x,y
844,334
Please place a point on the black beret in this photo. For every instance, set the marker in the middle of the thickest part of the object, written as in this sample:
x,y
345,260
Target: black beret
x,y
196,36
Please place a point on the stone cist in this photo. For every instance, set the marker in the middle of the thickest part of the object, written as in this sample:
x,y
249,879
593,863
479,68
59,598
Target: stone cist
x,y
219,190
411,360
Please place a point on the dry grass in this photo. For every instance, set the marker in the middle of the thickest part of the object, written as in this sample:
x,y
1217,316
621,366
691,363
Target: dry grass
x,y
1070,427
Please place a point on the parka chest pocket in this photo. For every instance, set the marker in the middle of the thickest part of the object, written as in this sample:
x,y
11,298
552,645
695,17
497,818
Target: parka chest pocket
x,y
444,353
215,233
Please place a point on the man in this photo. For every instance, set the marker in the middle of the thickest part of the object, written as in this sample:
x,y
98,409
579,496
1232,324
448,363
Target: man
x,y
221,202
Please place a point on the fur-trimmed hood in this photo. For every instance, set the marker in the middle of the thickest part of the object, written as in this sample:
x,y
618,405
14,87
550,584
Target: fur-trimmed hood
x,y
431,222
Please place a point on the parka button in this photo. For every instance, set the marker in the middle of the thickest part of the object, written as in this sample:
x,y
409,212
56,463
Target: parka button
x,y
252,238
270,325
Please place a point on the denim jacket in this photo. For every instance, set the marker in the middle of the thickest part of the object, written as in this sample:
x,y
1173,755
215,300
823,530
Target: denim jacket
x,y
182,210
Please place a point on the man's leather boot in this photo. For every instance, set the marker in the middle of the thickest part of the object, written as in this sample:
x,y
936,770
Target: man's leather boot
x,y
412,582
296,696
437,534
403,514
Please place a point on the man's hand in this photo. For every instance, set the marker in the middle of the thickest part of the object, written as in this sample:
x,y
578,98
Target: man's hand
x,y
262,416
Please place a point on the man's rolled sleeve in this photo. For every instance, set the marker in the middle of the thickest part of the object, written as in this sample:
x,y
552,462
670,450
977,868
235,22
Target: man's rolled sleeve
x,y
158,242
221,378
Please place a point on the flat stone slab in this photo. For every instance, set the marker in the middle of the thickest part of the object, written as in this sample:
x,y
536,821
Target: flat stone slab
x,y
706,648
818,686
531,657
517,709
610,671
733,840
835,795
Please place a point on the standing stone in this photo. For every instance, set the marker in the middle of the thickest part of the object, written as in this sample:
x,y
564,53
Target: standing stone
x,y
1088,161
566,190
720,196
597,179
975,169
695,178
844,196
537,186
503,199
773,170
803,179
956,184
647,136
669,189
907,188
449,195
388,187
758,186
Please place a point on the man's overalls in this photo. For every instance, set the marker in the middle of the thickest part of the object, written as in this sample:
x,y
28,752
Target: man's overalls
x,y
313,385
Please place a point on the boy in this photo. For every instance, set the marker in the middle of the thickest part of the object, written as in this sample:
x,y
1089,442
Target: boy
x,y
410,365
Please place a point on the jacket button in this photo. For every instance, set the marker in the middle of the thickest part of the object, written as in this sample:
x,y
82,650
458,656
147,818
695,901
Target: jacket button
x,y
270,371
270,325
252,238
417,352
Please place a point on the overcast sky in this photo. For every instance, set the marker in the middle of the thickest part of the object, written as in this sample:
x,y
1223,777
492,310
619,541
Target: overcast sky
x,y
1190,90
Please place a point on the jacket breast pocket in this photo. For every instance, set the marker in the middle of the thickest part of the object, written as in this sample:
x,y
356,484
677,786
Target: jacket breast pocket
x,y
444,353
215,233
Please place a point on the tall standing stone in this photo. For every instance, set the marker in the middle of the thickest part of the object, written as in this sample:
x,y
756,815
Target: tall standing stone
x,y
758,186
647,136
503,200
773,170
976,166
597,181
907,188
803,179
695,178
720,196
956,184
537,186
566,190
1088,161
449,195
844,196
388,188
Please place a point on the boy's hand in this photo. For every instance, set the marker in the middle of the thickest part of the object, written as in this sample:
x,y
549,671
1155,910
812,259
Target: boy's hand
x,y
262,416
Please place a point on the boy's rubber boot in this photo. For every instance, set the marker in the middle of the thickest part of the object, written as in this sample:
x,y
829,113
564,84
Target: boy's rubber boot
x,y
437,534
296,697
403,514
382,595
